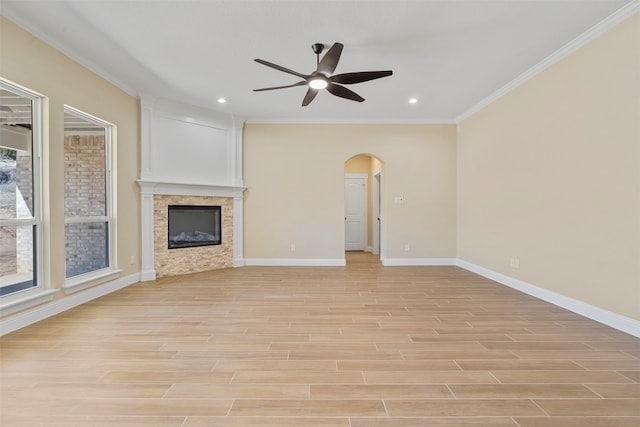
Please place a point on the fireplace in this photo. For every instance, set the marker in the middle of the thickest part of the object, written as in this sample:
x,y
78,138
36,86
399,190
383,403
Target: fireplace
x,y
157,259
191,226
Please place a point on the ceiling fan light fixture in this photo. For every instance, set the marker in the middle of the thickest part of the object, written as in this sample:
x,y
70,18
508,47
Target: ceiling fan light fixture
x,y
324,78
318,83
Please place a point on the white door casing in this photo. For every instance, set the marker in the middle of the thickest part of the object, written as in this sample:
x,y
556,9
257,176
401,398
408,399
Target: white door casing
x,y
355,211
377,216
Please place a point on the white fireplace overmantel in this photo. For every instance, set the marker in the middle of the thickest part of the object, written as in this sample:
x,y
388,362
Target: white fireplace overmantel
x,y
187,151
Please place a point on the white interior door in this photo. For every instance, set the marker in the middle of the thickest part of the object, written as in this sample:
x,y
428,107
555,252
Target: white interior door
x,y
355,211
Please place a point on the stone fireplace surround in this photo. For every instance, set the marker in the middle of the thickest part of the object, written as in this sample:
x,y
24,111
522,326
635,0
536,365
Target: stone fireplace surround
x,y
157,259
170,262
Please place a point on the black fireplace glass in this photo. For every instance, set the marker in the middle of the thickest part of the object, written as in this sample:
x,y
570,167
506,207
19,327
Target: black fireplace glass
x,y
191,226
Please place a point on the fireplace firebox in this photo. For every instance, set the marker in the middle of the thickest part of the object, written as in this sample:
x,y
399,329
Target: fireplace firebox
x,y
191,226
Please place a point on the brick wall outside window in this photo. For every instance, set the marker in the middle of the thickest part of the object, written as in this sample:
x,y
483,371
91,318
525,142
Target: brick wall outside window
x,y
85,191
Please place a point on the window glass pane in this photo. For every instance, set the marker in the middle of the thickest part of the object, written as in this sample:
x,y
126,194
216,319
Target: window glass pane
x,y
85,173
16,165
87,214
16,258
87,247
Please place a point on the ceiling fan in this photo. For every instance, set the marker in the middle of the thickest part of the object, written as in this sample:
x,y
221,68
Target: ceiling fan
x,y
322,77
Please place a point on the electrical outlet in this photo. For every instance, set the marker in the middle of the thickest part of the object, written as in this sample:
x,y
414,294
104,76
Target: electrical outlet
x,y
407,248
132,260
514,262
293,247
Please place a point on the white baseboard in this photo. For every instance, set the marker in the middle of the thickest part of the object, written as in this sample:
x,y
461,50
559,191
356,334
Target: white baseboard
x,y
617,321
41,312
418,261
291,262
147,275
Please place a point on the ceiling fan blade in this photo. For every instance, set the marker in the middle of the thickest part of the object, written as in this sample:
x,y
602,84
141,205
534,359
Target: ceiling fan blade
x,y
364,76
330,59
301,83
343,92
311,94
281,68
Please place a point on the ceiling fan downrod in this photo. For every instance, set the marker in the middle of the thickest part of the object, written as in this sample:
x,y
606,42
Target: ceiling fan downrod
x,y
317,49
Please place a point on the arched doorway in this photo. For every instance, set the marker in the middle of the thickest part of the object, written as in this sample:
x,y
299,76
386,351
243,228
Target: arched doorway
x,y
363,220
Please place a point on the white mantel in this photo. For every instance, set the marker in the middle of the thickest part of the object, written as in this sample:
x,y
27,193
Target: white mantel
x,y
187,151
189,189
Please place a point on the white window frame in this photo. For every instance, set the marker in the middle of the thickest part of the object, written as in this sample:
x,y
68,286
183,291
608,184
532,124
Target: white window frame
x,y
37,294
111,272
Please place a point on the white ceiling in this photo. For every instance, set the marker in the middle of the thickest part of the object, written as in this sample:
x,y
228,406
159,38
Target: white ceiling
x,y
450,54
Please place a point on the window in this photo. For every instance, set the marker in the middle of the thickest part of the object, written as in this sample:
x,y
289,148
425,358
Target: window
x,y
20,202
87,195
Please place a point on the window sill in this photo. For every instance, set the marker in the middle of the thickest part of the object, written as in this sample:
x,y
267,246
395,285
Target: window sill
x,y
89,280
23,300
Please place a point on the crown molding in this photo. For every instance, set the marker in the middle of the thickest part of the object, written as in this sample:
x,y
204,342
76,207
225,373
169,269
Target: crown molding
x,y
334,121
38,31
600,28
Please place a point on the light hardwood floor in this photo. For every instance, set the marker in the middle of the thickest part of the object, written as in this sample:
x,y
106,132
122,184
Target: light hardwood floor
x,y
356,346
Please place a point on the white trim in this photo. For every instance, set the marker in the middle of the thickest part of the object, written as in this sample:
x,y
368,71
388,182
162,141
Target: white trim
x,y
37,314
238,231
89,280
23,300
87,117
17,222
147,275
291,262
85,219
377,211
351,121
148,271
418,261
84,132
617,321
149,187
584,38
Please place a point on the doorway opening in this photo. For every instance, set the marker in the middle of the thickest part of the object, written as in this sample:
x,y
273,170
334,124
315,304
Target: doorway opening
x,y
362,206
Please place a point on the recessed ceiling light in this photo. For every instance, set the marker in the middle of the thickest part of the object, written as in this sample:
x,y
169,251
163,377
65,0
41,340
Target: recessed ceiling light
x,y
413,100
222,101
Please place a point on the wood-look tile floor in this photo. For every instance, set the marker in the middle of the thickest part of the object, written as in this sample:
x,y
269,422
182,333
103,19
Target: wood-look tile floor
x,y
356,346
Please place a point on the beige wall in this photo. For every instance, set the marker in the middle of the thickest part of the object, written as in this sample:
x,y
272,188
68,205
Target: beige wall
x,y
550,174
295,180
33,64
